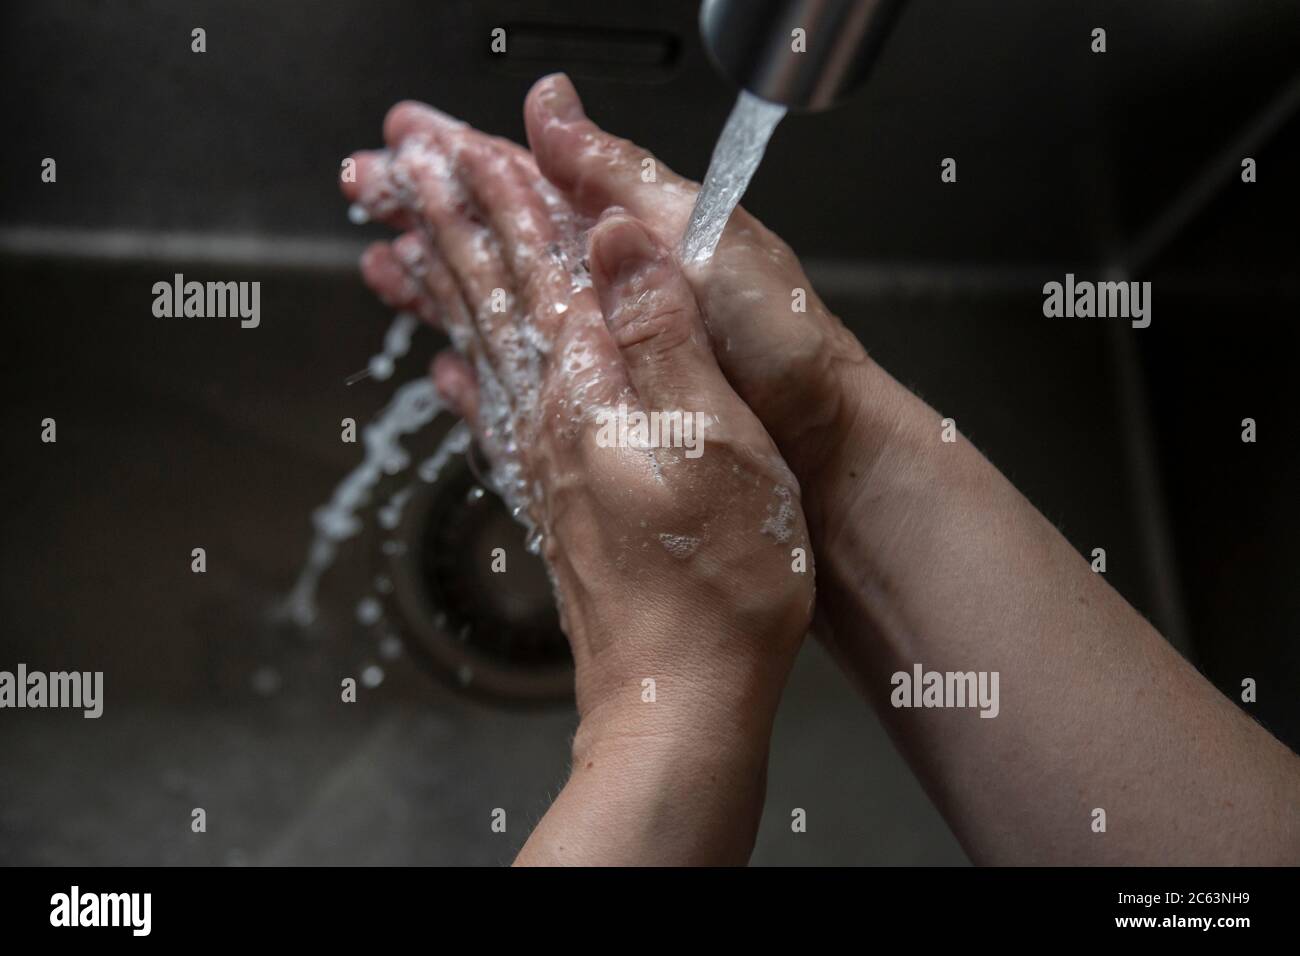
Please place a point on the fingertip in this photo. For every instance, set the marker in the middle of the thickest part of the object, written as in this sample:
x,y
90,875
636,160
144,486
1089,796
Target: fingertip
x,y
651,314
554,96
386,277
398,121
550,110
619,246
454,380
594,168
372,254
409,117
373,195
410,250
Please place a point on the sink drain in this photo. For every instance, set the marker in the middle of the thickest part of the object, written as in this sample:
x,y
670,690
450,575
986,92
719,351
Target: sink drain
x,y
494,634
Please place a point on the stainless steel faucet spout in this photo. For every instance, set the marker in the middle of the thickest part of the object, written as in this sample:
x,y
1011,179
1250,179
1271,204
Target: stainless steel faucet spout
x,y
803,54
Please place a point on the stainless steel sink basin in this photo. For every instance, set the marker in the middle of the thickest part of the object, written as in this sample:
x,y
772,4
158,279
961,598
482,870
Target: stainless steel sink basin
x,y
177,434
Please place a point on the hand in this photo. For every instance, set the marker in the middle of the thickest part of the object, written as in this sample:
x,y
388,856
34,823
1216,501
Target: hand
x,y
828,407
675,565
928,554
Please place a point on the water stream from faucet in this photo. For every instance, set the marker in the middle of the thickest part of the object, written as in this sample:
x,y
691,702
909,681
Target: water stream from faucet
x,y
736,156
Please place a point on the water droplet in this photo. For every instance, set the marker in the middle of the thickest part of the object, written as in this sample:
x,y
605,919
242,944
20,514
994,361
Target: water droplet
x,y
369,611
412,406
302,613
372,675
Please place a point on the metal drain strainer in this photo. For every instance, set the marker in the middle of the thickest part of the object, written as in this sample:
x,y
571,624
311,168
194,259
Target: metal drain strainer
x,y
495,634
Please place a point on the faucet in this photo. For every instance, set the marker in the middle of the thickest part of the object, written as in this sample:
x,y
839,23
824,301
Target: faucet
x,y
756,44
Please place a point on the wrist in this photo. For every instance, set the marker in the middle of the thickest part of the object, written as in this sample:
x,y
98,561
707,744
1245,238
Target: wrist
x,y
705,668
705,713
673,722
874,428
675,786
896,499
650,806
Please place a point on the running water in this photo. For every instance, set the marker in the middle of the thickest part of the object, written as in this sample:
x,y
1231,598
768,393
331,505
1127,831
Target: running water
x,y
397,342
413,406
739,150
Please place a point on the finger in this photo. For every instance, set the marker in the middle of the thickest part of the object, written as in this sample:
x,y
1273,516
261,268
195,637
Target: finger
x,y
530,245
425,263
439,288
412,118
597,171
371,190
410,251
455,381
468,246
653,318
594,169
571,227
394,285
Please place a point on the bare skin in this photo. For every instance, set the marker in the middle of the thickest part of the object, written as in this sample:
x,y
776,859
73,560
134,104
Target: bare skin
x,y
927,554
672,570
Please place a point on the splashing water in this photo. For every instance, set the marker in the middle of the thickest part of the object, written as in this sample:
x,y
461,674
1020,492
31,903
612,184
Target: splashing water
x,y
739,150
413,405
397,342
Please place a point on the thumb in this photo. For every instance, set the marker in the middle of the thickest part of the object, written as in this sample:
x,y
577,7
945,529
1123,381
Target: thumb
x,y
652,316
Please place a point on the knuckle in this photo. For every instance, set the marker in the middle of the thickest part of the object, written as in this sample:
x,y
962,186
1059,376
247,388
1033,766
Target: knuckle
x,y
656,331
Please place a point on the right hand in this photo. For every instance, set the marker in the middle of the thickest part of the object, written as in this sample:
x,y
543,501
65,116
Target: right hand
x,y
805,375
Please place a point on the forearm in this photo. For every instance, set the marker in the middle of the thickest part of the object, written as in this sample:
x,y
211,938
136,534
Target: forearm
x,y
686,792
937,560
652,806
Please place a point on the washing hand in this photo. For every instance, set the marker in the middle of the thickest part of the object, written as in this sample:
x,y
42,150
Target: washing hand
x,y
806,377
927,556
681,569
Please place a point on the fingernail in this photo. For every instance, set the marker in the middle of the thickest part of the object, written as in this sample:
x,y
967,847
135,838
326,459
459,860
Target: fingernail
x,y
622,252
622,249
561,99
610,212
